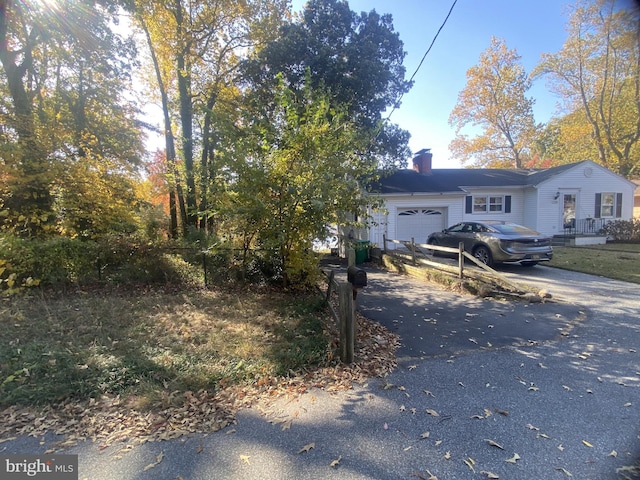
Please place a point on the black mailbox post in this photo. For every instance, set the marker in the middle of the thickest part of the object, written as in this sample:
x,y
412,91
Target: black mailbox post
x,y
357,278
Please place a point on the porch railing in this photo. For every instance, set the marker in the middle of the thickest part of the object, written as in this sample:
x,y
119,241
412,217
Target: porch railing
x,y
584,226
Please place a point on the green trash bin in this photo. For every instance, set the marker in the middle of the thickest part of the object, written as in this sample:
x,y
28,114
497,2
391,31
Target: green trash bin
x,y
362,251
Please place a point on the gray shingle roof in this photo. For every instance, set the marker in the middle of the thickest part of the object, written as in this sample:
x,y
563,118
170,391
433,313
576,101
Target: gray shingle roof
x,y
450,180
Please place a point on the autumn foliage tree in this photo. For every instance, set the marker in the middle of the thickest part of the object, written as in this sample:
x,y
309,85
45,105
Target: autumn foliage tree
x,y
597,75
71,140
494,102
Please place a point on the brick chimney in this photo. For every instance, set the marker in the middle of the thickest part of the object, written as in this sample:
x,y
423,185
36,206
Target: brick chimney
x,y
422,161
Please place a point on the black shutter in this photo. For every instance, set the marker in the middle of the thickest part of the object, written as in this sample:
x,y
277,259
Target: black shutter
x,y
468,204
598,205
618,205
507,204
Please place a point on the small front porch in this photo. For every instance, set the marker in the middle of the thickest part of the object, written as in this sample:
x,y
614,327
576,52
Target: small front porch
x,y
584,231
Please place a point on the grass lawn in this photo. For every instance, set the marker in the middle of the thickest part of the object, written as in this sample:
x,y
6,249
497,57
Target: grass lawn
x,y
614,260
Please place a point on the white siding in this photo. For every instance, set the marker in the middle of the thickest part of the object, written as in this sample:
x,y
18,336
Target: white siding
x,y
585,184
517,205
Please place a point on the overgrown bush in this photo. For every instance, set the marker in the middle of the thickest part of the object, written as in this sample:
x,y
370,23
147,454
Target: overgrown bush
x,y
117,259
623,230
59,260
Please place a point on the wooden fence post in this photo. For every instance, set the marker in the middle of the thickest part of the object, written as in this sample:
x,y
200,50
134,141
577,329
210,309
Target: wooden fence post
x,y
330,285
347,322
413,251
460,259
384,243
351,256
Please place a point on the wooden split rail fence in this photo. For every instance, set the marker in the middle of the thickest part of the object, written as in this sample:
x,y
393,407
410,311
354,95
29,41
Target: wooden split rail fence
x,y
422,253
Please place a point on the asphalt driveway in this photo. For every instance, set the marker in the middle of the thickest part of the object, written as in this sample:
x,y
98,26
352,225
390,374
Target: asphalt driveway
x,y
485,389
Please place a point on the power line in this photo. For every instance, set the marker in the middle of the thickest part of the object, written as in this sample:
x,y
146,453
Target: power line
x,y
425,55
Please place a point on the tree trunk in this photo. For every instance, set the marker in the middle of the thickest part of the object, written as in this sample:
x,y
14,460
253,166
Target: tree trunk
x,y
175,189
29,201
183,74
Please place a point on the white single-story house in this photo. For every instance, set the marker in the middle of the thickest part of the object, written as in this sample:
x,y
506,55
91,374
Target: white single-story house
x,y
573,199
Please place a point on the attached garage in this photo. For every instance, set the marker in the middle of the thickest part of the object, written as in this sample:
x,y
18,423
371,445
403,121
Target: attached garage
x,y
419,223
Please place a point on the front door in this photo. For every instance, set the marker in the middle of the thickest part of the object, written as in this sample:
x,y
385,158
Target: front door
x,y
569,211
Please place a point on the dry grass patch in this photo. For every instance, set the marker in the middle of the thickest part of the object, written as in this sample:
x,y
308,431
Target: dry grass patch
x,y
157,364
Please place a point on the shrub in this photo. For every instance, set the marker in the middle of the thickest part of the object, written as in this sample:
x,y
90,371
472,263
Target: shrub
x,y
623,230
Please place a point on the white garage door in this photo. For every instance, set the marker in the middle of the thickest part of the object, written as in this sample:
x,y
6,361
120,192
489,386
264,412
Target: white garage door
x,y
418,223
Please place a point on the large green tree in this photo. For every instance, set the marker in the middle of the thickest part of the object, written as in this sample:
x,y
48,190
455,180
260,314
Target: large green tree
x,y
356,57
597,75
494,101
304,159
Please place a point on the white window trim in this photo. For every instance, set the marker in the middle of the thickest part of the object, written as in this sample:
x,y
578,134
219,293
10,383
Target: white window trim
x,y
487,204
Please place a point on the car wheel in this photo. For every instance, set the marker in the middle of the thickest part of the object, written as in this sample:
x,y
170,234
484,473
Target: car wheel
x,y
435,242
529,264
483,254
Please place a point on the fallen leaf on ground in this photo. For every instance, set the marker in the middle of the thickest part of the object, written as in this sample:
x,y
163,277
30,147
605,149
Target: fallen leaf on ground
x,y
633,469
199,449
438,443
432,412
561,448
565,471
628,404
245,459
431,476
513,459
447,455
406,449
613,454
504,413
494,444
470,462
531,427
543,435
307,447
287,425
159,458
428,393
336,462
587,444
425,435
489,475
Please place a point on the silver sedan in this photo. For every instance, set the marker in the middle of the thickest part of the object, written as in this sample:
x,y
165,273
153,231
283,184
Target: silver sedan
x,y
494,242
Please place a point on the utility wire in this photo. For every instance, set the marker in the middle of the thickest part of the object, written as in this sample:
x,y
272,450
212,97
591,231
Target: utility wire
x,y
424,56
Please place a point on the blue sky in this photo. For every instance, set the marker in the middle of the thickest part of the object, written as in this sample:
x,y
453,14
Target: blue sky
x,y
531,27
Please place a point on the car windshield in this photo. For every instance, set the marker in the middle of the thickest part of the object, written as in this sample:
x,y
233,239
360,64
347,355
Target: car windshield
x,y
513,229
